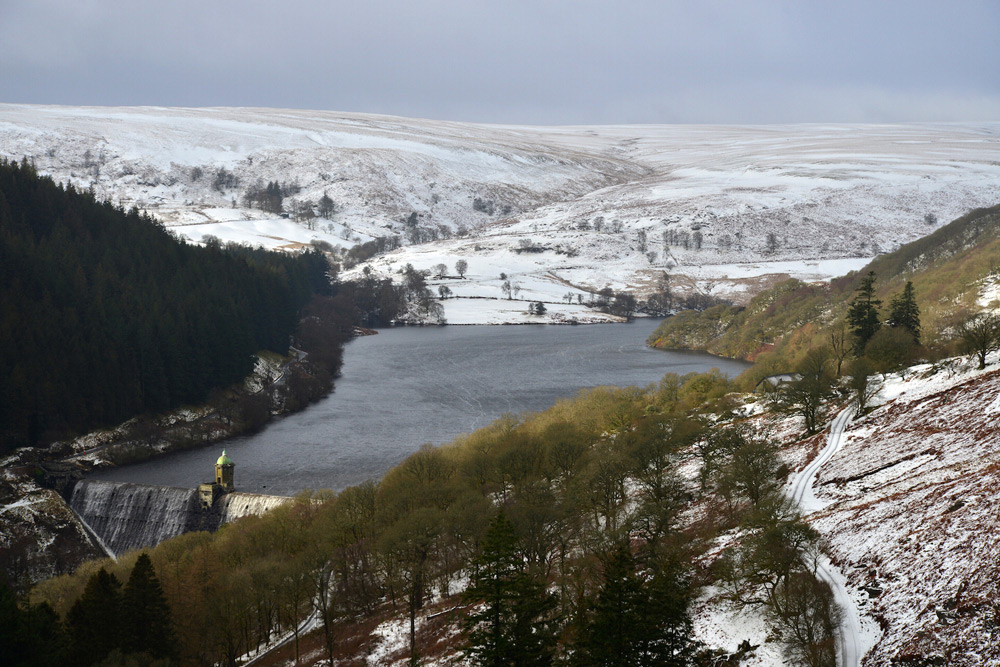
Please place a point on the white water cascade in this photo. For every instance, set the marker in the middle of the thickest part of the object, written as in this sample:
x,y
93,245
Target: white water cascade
x,y
134,516
238,505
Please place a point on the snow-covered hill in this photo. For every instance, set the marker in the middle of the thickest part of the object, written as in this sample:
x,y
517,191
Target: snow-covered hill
x,y
560,210
911,514
40,536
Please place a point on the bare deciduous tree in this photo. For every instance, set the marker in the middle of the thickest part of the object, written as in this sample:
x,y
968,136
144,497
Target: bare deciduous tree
x,y
980,335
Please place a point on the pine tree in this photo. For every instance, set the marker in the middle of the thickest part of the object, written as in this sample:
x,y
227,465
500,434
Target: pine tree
x,y
146,621
614,634
87,342
514,627
862,316
29,637
638,619
326,206
905,313
94,620
670,640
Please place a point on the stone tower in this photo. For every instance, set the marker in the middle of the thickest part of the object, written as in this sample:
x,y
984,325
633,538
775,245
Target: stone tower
x,y
224,472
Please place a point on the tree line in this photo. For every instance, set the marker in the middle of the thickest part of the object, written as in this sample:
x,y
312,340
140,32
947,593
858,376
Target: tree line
x,y
108,624
106,315
869,341
862,344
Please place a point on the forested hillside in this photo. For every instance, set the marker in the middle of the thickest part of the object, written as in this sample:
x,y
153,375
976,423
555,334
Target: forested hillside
x,y
105,314
574,536
948,269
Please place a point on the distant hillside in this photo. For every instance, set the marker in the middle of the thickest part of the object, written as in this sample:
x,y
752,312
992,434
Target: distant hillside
x,y
563,212
950,269
105,315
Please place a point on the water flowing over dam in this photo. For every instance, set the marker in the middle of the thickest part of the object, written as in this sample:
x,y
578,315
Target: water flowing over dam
x,y
134,516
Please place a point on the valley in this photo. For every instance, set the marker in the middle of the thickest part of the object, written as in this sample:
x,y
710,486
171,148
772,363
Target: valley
x,y
563,212
497,221
457,334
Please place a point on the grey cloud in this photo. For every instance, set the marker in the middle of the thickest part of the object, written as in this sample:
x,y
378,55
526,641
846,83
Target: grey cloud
x,y
551,61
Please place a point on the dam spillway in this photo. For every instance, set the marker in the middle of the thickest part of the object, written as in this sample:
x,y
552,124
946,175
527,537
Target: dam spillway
x,y
237,505
135,516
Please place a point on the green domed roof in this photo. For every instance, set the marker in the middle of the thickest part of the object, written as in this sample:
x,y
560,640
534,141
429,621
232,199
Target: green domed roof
x,y
224,460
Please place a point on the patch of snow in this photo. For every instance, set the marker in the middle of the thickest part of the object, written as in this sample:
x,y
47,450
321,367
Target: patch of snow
x,y
394,636
989,294
910,532
720,625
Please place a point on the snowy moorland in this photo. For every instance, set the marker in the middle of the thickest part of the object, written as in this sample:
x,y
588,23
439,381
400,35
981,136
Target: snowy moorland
x,y
562,211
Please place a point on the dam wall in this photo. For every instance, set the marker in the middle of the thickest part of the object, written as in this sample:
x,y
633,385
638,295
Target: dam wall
x,y
135,516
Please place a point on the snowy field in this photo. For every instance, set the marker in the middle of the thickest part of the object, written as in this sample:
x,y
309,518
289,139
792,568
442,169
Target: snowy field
x,y
727,210
268,233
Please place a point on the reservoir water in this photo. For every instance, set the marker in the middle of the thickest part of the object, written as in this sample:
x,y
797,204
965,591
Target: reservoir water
x,y
409,386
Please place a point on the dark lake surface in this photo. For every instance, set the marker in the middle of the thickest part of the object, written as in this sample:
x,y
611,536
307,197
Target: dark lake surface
x,y
414,385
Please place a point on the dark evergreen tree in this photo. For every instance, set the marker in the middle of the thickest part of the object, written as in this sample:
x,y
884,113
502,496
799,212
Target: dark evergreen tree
x,y
94,620
31,637
637,618
614,634
904,312
671,640
326,206
515,625
862,315
146,622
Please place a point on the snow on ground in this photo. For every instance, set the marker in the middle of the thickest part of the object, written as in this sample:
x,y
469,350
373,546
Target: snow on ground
x,y
726,627
273,234
393,637
504,311
805,270
39,527
910,509
720,207
907,505
989,294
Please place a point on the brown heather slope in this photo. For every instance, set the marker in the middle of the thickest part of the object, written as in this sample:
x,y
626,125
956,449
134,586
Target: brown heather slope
x,y
914,511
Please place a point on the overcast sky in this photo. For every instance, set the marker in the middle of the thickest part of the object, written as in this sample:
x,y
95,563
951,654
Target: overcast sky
x,y
508,61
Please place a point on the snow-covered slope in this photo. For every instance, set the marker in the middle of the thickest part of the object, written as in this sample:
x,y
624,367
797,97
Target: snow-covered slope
x,y
718,206
912,505
907,502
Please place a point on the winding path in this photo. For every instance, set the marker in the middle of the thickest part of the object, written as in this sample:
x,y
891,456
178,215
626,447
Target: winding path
x,y
801,491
